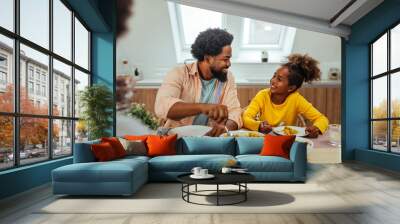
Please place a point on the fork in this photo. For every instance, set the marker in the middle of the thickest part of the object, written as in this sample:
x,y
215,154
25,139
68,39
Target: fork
x,y
228,132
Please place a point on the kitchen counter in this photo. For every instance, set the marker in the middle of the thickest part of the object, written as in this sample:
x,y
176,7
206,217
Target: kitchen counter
x,y
152,83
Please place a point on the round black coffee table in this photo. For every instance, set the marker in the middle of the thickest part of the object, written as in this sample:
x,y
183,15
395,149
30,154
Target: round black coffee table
x,y
238,179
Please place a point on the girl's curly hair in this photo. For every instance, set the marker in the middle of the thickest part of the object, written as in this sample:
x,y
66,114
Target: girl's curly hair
x,y
302,68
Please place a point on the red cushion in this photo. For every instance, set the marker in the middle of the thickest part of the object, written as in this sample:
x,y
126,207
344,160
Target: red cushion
x,y
161,145
103,152
116,145
277,145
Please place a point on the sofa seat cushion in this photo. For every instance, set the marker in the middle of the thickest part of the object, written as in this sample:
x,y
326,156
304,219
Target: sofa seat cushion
x,y
257,163
112,171
185,163
133,158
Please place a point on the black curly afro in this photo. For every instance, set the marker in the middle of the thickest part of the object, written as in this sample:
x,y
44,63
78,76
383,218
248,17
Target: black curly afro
x,y
210,42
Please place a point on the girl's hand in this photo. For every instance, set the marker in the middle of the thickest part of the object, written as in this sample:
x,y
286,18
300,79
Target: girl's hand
x,y
265,127
312,131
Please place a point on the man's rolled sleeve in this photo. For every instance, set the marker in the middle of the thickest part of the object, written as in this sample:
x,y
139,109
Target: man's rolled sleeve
x,y
168,94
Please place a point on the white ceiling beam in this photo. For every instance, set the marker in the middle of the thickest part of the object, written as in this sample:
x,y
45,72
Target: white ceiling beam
x,y
269,15
347,12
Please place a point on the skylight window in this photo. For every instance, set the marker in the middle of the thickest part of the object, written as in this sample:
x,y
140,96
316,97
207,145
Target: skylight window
x,y
194,20
251,37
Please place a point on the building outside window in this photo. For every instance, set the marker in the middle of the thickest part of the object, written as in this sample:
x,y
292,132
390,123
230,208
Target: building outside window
x,y
43,90
3,78
37,74
30,87
3,72
3,61
44,77
38,89
30,72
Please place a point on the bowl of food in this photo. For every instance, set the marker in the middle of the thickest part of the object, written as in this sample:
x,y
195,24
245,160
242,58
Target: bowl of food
x,y
243,133
290,130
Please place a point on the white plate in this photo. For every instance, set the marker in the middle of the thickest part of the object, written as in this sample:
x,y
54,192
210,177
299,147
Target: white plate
x,y
189,130
243,133
301,131
208,176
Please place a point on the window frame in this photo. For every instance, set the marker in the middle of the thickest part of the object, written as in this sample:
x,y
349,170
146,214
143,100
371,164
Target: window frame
x,y
388,74
16,115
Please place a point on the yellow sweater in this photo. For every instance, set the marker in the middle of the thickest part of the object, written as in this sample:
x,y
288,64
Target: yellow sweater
x,y
286,112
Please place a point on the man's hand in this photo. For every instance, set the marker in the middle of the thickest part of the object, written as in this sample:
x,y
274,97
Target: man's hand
x,y
216,112
312,131
217,130
264,127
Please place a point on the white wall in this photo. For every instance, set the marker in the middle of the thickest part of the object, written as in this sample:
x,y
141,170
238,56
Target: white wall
x,y
149,46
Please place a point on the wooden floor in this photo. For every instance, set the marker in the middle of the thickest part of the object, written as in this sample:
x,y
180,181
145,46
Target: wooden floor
x,y
377,188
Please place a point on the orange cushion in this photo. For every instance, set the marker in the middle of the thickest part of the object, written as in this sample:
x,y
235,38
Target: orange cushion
x,y
277,145
116,145
103,152
136,137
161,145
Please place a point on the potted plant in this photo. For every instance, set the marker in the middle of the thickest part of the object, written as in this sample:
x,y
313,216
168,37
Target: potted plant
x,y
96,102
139,111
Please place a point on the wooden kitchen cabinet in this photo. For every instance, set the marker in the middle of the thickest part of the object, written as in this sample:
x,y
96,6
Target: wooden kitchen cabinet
x,y
327,99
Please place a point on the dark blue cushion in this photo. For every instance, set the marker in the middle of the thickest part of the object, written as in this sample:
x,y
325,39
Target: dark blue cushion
x,y
257,163
185,163
206,145
83,152
248,145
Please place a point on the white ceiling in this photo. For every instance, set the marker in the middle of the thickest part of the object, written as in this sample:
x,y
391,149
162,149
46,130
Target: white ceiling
x,y
318,9
315,15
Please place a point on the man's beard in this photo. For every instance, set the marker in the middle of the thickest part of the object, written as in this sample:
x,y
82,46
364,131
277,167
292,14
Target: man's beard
x,y
220,75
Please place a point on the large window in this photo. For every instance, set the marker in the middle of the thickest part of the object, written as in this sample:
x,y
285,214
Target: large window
x,y
44,64
385,94
252,37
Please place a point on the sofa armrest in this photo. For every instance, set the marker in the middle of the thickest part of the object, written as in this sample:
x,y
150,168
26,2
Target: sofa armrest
x,y
83,152
298,155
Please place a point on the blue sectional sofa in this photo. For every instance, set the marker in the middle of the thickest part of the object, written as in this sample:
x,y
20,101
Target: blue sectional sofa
x,y
125,176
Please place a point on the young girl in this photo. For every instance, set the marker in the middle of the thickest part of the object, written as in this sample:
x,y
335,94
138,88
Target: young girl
x,y
282,103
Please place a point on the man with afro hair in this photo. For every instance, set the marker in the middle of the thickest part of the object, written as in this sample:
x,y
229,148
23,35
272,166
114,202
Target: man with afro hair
x,y
203,92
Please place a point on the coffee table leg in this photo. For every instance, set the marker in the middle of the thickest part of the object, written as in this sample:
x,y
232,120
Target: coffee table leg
x,y
188,189
217,194
245,193
196,188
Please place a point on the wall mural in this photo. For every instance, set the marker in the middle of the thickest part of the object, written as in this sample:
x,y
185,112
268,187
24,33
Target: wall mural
x,y
147,43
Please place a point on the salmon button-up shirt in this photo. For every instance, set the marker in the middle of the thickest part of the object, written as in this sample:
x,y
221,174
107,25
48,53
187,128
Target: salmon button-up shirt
x,y
183,84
